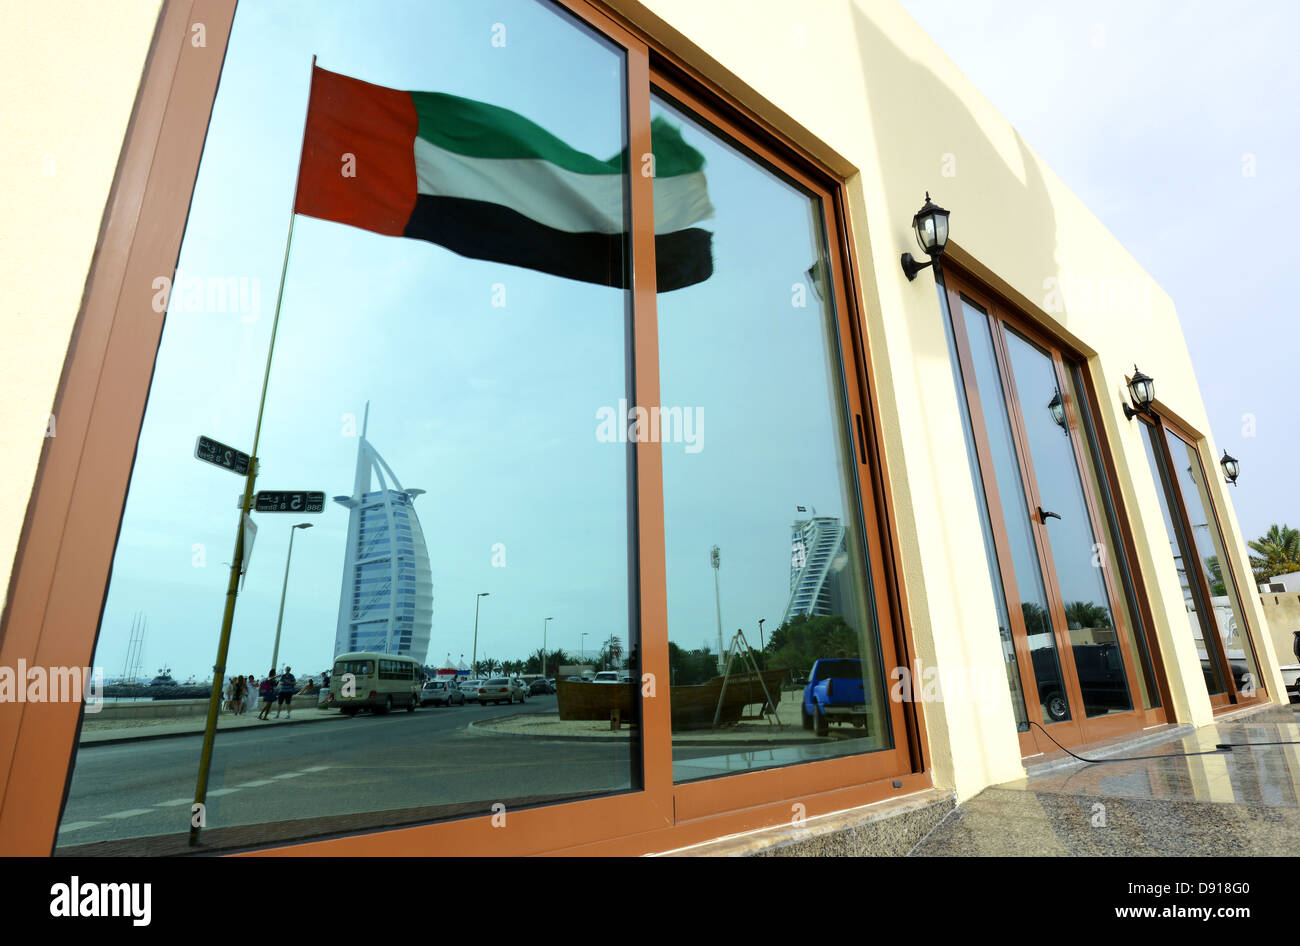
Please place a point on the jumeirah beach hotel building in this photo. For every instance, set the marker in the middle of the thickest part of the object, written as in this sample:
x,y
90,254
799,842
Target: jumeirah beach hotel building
x,y
499,227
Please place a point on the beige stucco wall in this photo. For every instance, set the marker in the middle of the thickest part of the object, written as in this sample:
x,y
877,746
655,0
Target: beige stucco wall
x,y
1283,614
69,70
860,86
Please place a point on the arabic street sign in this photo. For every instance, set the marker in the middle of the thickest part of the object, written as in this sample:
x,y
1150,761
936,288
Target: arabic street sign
x,y
218,454
299,500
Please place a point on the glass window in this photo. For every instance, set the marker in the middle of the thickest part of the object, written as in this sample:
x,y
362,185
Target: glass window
x,y
761,513
1210,557
1075,550
479,447
1178,546
986,525
1034,606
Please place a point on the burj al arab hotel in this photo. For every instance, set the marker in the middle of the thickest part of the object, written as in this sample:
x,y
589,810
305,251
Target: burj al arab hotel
x,y
386,597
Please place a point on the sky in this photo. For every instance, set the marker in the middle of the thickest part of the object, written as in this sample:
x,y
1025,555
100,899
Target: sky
x,y
484,382
1177,124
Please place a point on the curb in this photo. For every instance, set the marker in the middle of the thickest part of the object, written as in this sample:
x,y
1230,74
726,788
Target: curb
x,y
781,744
147,737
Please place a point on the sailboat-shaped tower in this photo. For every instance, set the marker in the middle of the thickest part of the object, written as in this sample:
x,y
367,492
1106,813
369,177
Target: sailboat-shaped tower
x,y
386,598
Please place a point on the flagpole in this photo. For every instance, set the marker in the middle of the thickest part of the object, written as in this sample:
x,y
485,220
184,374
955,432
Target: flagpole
x,y
236,564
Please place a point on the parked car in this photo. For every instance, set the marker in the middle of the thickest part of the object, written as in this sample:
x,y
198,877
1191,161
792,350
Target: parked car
x,y
607,676
540,688
469,690
440,693
494,690
834,694
518,689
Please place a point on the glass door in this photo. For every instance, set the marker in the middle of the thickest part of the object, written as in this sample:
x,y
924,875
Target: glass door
x,y
1082,674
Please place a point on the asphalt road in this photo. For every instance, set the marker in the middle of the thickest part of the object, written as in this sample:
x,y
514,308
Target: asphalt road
x,y
341,766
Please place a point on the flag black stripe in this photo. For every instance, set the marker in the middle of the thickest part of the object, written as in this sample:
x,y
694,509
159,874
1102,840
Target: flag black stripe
x,y
487,231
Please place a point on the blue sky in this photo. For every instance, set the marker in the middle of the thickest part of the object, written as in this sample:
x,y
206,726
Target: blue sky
x,y
1176,123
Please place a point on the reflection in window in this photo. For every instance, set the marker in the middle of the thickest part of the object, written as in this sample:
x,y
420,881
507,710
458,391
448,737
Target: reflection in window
x,y
990,549
774,647
475,470
1094,640
1210,556
1178,547
1041,638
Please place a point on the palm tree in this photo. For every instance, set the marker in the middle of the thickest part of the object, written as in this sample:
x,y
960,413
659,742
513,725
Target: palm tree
x,y
1278,552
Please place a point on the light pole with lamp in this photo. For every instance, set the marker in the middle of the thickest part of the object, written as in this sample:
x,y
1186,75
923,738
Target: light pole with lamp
x,y
583,648
275,654
544,623
473,660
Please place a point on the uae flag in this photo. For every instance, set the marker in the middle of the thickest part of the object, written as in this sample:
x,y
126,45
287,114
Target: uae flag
x,y
490,184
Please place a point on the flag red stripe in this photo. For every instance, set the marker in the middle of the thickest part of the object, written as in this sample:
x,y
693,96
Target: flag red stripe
x,y
377,127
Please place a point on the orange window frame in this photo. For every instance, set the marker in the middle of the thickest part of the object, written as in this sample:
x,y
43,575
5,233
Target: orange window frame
x,y
68,539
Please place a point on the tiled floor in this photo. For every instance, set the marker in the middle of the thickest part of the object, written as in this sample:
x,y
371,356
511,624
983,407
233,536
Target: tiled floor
x,y
1179,797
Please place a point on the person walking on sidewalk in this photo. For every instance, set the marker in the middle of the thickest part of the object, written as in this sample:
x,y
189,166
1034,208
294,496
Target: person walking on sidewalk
x,y
266,691
284,692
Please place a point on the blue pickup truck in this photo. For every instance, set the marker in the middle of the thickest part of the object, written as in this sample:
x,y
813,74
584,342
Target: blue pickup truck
x,y
834,694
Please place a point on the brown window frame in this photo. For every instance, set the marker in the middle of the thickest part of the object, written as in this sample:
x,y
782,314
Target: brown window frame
x,y
1002,315
69,536
1161,420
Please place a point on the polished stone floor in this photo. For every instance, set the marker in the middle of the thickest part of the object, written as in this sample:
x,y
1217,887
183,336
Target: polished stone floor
x,y
1178,797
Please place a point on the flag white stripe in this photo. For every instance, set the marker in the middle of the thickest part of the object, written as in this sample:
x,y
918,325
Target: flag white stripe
x,y
558,198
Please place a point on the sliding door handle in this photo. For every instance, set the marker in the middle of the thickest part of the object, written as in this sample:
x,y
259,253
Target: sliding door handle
x,y
1043,515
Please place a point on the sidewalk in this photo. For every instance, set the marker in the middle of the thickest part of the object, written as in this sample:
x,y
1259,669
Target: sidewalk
x,y
119,731
1176,798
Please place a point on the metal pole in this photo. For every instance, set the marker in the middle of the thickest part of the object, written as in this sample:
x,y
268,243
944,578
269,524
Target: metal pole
x,y
236,564
275,654
544,625
473,660
715,560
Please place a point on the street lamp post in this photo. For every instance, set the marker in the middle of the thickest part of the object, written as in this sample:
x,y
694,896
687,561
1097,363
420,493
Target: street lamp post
x,y
473,660
275,654
715,559
761,645
583,648
544,623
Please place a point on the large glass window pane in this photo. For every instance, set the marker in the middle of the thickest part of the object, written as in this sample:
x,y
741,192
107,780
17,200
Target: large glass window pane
x,y
1114,556
445,382
1076,553
761,510
1015,510
1210,556
1179,548
986,525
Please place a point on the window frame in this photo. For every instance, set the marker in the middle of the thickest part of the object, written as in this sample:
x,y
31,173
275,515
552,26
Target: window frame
x,y
69,536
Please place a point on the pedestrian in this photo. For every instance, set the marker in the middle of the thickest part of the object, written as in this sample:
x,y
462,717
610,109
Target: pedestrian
x,y
237,696
252,694
284,692
266,690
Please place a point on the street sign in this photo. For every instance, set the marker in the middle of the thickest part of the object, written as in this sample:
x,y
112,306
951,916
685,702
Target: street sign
x,y
218,454
300,500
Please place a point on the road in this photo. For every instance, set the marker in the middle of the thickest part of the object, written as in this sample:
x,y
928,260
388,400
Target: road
x,y
341,766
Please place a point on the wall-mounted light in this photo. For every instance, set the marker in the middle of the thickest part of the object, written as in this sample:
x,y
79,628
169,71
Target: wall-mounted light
x,y
1142,390
931,227
1231,468
1058,411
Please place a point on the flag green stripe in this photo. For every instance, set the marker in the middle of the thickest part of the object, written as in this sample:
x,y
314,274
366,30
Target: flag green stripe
x,y
479,130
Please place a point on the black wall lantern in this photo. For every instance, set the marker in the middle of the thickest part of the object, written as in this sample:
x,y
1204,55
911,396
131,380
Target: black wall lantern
x,y
1143,391
1058,412
1230,467
931,226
